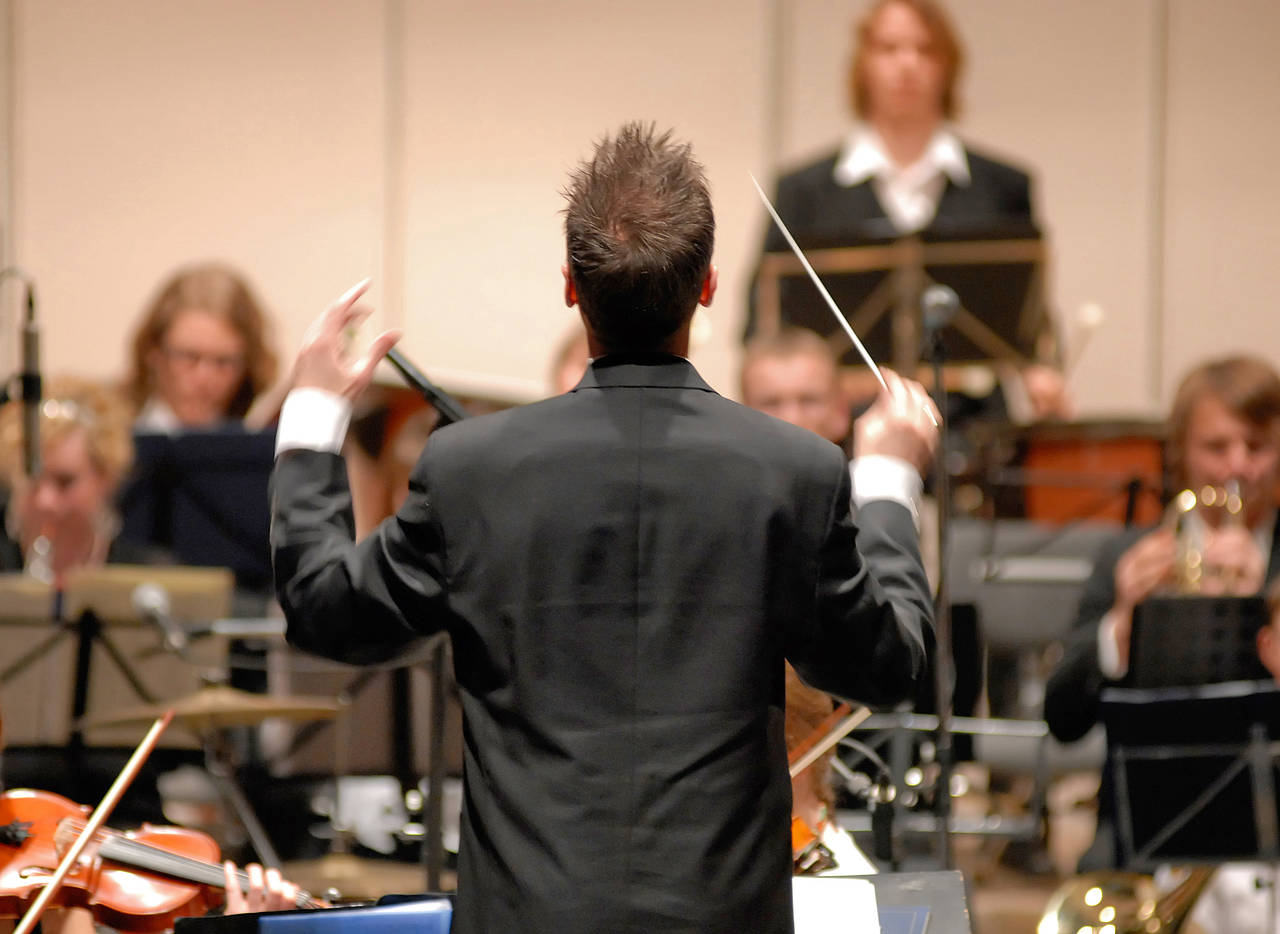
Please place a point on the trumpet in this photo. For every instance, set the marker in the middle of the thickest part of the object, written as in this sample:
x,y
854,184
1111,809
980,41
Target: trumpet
x,y
1190,516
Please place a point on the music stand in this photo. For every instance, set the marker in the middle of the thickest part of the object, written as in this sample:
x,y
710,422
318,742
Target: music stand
x,y
996,269
203,497
1187,641
96,608
1192,739
1194,772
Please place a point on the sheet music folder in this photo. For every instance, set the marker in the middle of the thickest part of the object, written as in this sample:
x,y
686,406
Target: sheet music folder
x,y
995,266
203,497
1194,640
1194,772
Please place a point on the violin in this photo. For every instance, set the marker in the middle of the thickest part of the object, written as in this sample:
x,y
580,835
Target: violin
x,y
809,855
142,880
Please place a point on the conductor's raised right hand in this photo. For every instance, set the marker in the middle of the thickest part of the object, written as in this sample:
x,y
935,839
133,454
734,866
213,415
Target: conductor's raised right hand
x,y
902,422
325,360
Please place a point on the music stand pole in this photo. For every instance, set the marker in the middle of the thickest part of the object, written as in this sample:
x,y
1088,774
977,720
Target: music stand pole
x,y
935,320
433,845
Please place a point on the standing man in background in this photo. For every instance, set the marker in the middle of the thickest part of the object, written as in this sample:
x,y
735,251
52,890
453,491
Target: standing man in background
x,y
622,570
903,169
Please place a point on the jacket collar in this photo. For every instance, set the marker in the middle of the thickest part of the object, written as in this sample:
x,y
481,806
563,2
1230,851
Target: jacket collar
x,y
642,370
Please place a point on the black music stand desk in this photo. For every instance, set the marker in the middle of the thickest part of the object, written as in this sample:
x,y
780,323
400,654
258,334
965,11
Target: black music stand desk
x,y
1194,772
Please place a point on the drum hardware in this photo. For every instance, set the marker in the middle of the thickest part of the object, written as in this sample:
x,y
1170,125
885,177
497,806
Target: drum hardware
x,y
210,713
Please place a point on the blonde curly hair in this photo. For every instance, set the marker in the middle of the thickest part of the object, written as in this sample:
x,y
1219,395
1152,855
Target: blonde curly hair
x,y
71,404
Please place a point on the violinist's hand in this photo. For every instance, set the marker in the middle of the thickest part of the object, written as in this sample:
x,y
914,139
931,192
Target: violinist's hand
x,y
324,362
898,424
267,890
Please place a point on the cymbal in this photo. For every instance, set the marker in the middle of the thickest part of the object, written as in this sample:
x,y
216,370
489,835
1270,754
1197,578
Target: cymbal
x,y
357,877
219,707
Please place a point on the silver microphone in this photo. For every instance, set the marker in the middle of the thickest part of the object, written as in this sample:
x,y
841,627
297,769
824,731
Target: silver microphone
x,y
152,603
938,305
31,388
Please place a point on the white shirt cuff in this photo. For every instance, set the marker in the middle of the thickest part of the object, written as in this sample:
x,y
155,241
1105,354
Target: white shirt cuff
x,y
877,476
312,419
1108,651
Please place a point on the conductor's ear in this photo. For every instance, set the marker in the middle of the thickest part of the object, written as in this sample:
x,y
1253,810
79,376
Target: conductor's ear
x,y
570,290
709,286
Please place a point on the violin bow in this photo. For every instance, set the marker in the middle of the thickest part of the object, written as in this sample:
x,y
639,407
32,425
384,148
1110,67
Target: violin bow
x,y
838,724
96,820
822,290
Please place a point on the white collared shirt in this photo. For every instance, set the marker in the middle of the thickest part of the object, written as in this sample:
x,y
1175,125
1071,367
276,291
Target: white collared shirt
x,y
155,417
908,194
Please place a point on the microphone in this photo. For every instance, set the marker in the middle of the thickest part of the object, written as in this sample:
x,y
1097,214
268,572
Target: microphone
x,y
151,601
938,305
881,798
31,387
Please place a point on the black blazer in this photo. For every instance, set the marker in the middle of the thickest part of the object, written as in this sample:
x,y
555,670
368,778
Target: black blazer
x,y
622,570
820,212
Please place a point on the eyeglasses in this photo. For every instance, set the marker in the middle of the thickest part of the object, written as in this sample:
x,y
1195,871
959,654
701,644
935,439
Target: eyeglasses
x,y
187,359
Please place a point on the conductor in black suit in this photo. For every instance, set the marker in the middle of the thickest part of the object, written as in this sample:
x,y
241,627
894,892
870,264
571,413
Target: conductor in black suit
x,y
622,570
903,169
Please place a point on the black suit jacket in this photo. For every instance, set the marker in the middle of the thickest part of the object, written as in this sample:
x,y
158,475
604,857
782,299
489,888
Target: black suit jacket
x,y
820,212
818,209
622,570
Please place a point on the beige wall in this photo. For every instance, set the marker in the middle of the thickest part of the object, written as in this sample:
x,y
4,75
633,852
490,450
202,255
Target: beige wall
x,y
312,142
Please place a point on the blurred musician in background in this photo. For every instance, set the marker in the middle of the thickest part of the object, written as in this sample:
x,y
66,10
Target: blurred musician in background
x,y
903,169
1224,428
792,375
622,569
65,517
202,354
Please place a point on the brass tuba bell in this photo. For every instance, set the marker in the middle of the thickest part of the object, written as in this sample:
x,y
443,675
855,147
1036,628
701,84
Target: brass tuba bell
x,y
1122,903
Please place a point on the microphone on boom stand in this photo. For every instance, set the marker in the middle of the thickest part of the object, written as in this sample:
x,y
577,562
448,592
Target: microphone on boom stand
x,y
938,306
29,376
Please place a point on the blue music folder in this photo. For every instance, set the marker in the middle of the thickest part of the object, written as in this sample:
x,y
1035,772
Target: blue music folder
x,y
430,916
903,920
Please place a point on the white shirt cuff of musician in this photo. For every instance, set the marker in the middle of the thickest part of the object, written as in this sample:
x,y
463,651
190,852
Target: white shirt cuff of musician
x,y
1108,649
878,476
312,419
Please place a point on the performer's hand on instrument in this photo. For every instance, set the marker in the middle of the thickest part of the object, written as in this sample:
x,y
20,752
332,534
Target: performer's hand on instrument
x,y
1232,562
324,362
900,423
267,890
1147,564
1047,391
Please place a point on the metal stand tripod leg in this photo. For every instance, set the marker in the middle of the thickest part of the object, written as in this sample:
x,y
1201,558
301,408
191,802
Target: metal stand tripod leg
x,y
222,775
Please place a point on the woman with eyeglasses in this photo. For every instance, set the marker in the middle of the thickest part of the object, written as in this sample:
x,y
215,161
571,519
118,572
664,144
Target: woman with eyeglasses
x,y
202,353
